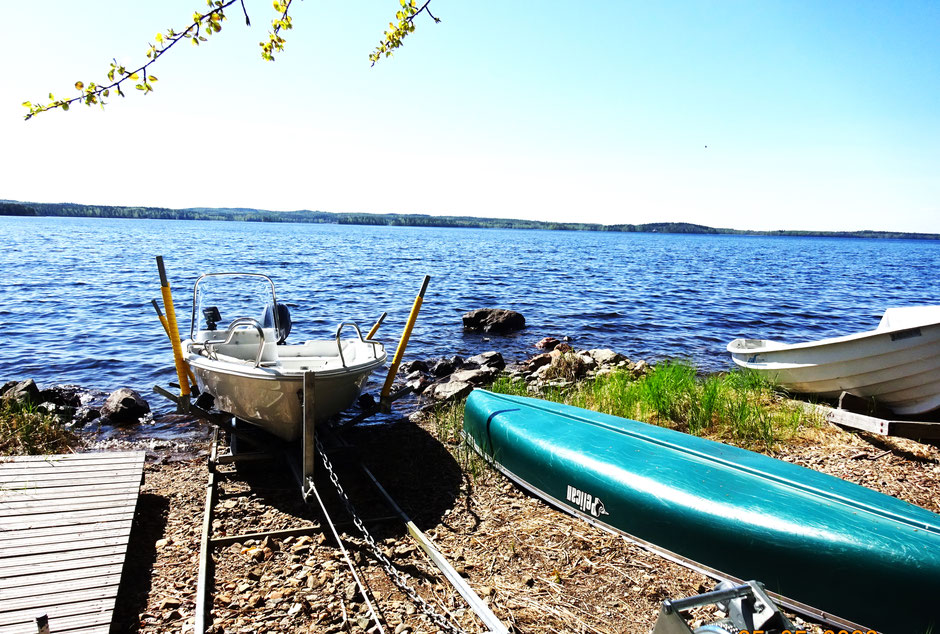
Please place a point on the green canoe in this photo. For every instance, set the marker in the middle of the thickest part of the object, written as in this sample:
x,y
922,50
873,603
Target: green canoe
x,y
843,549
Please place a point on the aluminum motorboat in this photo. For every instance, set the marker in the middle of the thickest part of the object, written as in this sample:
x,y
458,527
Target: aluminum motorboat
x,y
897,364
238,352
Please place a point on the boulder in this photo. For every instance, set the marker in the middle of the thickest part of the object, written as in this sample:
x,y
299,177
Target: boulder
x,y
450,391
494,320
68,395
125,406
479,376
490,359
606,356
538,361
25,392
442,367
413,366
548,343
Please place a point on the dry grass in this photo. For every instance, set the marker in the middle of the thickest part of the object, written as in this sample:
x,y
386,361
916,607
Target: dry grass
x,y
24,430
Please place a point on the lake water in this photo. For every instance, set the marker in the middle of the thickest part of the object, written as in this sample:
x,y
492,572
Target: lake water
x,y
75,293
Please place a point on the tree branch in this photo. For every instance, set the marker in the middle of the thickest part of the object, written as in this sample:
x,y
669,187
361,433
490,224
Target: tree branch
x,y
396,33
96,93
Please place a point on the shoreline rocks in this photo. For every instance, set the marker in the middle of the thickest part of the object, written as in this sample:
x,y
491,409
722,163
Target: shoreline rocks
x,y
75,406
453,378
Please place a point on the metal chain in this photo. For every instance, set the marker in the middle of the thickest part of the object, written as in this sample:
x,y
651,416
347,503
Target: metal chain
x,y
393,573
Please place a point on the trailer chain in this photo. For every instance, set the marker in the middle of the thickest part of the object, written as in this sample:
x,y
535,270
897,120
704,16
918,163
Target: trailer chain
x,y
399,579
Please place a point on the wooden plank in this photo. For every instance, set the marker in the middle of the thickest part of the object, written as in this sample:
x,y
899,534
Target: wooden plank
x,y
21,468
70,573
58,599
39,558
81,608
52,542
98,622
62,547
43,520
44,590
64,530
915,430
12,469
76,457
874,425
47,484
63,564
33,507
55,493
59,530
20,482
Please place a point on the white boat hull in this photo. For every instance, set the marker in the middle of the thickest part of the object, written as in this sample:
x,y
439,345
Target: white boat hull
x,y
271,395
897,365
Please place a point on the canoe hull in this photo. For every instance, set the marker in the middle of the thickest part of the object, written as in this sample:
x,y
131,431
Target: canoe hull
x,y
898,364
813,538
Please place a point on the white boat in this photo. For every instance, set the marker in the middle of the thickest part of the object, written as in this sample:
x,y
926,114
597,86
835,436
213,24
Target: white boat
x,y
897,364
249,369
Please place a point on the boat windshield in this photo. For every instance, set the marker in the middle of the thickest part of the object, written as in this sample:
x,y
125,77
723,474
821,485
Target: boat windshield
x,y
221,298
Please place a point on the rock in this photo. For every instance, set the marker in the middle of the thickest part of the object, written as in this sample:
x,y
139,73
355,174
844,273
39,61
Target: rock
x,y
68,395
494,320
450,391
560,349
413,366
170,603
606,356
640,368
490,359
481,376
442,367
418,384
125,406
85,415
548,343
24,393
538,361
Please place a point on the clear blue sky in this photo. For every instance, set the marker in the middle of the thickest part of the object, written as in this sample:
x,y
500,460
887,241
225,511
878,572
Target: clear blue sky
x,y
753,115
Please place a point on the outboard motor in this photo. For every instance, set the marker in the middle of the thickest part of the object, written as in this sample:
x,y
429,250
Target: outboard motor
x,y
283,321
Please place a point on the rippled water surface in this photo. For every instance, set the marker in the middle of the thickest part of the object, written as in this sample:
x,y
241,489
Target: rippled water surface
x,y
75,298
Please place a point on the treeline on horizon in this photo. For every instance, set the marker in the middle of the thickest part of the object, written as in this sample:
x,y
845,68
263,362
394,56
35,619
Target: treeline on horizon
x,y
15,208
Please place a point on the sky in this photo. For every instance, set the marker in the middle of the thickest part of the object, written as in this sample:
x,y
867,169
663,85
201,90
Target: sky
x,y
751,115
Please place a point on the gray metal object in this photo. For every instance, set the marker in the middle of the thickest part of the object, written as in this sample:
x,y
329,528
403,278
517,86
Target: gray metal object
x,y
747,606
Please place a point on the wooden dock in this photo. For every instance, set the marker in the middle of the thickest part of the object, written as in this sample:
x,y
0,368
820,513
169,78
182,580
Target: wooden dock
x,y
65,522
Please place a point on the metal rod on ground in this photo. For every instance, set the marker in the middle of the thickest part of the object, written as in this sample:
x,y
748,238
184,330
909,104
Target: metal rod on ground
x,y
375,328
174,333
396,361
478,606
352,567
205,554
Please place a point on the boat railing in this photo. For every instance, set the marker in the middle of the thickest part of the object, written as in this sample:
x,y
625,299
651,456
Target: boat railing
x,y
211,346
339,343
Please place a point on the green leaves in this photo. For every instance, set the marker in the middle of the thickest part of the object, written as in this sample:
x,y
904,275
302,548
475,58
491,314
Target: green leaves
x,y
396,33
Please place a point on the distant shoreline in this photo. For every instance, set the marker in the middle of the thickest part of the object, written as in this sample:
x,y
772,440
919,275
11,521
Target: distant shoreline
x,y
28,209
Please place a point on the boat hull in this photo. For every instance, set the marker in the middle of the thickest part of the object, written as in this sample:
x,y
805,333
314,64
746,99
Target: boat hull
x,y
864,556
272,399
899,368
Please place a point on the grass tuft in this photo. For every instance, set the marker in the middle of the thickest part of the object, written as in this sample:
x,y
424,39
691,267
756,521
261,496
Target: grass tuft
x,y
24,430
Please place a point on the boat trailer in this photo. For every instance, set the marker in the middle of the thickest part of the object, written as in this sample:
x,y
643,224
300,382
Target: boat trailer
x,y
314,449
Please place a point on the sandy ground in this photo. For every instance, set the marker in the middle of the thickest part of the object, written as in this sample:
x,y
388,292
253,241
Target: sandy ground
x,y
540,570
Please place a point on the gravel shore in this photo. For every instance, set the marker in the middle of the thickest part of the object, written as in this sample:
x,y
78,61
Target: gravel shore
x,y
539,570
